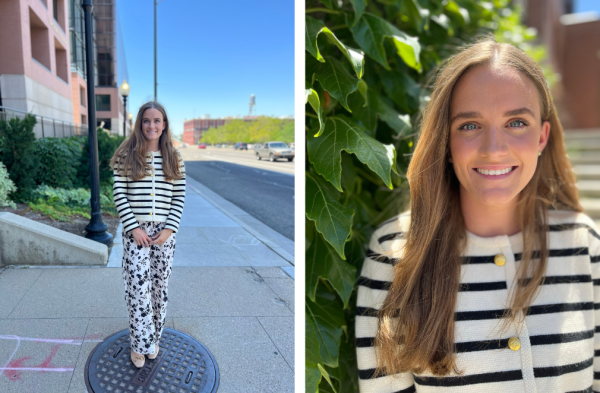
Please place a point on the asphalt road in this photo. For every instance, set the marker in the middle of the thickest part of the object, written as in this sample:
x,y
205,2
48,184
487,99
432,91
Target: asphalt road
x,y
237,176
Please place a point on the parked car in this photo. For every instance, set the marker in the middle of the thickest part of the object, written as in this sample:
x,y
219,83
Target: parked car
x,y
240,146
202,146
274,150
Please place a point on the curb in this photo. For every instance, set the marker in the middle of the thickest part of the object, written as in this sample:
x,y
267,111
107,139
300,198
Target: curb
x,y
218,202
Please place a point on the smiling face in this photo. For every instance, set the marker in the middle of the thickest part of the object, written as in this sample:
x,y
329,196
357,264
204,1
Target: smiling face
x,y
153,124
496,133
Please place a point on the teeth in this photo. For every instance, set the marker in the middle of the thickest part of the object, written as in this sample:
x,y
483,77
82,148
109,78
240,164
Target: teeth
x,y
494,172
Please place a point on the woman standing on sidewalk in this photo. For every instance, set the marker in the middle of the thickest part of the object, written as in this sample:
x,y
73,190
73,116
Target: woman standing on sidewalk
x,y
149,192
491,283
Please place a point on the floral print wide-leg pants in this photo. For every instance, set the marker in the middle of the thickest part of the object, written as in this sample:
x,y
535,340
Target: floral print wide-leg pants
x,y
146,272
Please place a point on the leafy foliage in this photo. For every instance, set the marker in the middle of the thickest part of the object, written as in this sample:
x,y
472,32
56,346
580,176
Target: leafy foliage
x,y
18,154
107,145
63,204
59,159
261,130
6,187
368,69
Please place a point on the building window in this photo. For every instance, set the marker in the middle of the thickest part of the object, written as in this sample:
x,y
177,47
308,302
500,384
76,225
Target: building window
x,y
82,95
107,125
103,102
58,11
60,57
40,40
83,119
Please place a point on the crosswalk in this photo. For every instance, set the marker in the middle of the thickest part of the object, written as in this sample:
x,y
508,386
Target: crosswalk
x,y
583,149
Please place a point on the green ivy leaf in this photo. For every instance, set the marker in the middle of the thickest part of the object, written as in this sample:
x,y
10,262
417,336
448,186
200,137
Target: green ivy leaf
x,y
315,27
325,375
332,220
312,348
312,377
336,81
328,320
312,98
370,31
359,8
323,262
327,3
342,134
387,113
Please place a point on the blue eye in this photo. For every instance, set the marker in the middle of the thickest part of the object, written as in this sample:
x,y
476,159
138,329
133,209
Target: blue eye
x,y
512,123
468,127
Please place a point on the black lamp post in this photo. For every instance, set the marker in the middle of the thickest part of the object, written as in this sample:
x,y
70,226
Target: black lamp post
x,y
96,229
124,89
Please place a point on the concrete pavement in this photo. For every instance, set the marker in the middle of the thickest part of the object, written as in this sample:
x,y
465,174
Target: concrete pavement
x,y
231,287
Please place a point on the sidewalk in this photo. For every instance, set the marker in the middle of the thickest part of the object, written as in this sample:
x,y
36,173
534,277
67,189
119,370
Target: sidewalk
x,y
231,288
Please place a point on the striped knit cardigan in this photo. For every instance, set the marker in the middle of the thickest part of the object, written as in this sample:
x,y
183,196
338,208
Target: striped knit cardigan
x,y
559,340
150,199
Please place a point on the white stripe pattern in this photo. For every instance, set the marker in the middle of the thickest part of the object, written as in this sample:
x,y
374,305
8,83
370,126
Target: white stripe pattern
x,y
150,199
560,337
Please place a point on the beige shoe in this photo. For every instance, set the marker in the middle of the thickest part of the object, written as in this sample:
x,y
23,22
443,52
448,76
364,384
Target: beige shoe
x,y
137,359
155,354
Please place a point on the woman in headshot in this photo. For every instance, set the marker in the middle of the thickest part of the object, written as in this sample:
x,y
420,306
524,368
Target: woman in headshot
x,y
149,192
487,284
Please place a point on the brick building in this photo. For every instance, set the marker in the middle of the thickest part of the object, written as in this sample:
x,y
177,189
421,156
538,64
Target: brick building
x,y
573,46
193,128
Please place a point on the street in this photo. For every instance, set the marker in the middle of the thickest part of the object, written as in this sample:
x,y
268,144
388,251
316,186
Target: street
x,y
263,189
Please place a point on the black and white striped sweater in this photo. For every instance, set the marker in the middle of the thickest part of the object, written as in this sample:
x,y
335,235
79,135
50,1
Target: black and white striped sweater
x,y
559,339
150,199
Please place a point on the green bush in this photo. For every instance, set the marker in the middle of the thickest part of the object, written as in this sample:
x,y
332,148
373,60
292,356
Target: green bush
x,y
62,204
59,160
18,154
6,187
107,146
369,66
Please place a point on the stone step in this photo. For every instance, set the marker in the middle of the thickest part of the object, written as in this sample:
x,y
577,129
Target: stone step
x,y
591,207
571,135
583,144
589,188
587,172
584,157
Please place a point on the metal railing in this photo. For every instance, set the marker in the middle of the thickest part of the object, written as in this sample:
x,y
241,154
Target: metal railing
x,y
46,127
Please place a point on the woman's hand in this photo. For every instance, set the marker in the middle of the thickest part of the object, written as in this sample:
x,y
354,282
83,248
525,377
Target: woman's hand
x,y
162,236
141,238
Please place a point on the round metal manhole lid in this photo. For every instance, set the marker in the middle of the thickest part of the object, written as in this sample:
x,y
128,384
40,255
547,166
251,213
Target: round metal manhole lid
x,y
182,365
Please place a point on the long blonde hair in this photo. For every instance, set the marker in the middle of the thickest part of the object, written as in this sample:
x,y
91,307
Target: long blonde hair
x,y
416,322
131,155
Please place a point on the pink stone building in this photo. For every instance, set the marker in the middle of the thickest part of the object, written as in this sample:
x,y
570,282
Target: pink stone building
x,y
35,58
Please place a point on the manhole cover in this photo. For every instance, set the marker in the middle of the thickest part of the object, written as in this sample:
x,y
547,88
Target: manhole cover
x,y
183,365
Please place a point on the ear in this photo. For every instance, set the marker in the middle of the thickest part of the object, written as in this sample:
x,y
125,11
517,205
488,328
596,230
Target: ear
x,y
544,135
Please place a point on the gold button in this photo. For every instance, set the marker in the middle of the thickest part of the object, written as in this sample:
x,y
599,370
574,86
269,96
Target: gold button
x,y
499,260
514,343
150,213
151,194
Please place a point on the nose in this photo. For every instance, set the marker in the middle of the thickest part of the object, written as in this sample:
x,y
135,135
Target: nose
x,y
493,143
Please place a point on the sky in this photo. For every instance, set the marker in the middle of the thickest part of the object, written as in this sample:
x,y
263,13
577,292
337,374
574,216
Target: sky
x,y
212,55
587,5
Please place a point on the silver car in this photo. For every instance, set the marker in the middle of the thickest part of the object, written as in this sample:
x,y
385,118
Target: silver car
x,y
274,150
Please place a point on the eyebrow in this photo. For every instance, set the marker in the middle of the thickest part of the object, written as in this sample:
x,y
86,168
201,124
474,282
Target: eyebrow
x,y
472,115
147,118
